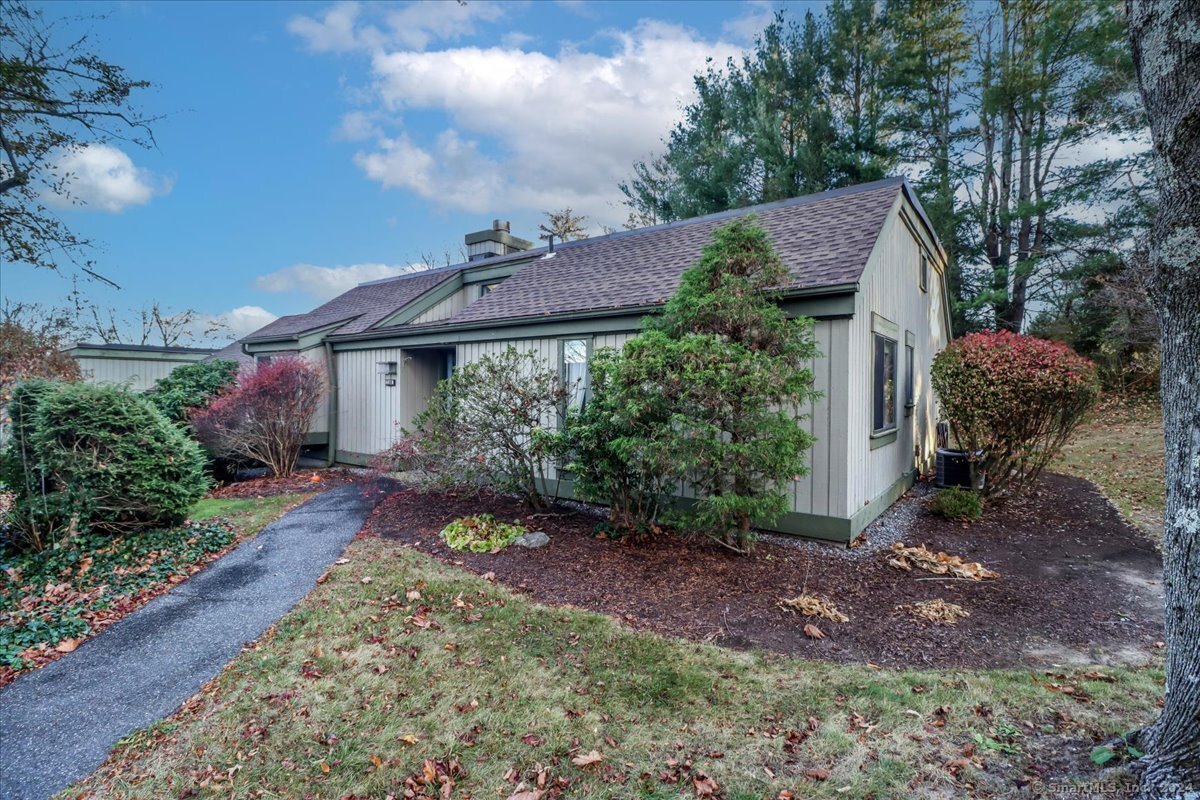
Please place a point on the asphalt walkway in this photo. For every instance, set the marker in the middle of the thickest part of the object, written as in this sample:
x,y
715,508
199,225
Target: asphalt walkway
x,y
58,723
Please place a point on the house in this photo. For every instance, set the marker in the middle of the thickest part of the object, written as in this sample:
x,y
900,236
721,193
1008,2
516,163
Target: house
x,y
866,267
138,366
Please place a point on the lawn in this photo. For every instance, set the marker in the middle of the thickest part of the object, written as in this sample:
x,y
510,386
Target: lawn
x,y
400,673
51,601
1120,449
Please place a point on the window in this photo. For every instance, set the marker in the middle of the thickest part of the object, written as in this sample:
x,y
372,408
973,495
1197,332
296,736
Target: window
x,y
574,370
262,359
884,389
924,277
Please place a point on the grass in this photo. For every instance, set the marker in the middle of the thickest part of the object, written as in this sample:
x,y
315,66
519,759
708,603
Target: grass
x,y
246,514
52,600
397,665
1120,449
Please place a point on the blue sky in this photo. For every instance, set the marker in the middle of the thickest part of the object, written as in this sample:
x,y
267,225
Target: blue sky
x,y
309,146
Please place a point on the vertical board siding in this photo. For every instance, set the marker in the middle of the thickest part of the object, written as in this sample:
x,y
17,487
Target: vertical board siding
x,y
448,307
891,288
368,409
319,423
138,374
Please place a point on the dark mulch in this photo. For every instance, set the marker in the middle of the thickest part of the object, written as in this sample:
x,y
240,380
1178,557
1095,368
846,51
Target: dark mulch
x,y
1074,580
303,481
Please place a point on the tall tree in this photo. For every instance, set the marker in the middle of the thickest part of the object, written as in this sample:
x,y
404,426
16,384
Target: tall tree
x,y
788,119
932,53
1053,76
1166,52
56,96
859,55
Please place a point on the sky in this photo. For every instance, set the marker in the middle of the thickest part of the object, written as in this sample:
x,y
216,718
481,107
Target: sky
x,y
306,147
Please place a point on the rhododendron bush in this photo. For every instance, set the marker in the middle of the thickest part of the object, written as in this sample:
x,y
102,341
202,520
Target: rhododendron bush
x,y
265,416
1012,401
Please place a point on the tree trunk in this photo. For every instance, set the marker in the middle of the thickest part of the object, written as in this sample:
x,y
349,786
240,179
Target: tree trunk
x,y
1166,52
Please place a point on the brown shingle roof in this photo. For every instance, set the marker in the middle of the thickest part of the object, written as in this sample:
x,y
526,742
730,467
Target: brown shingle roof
x,y
824,239
358,309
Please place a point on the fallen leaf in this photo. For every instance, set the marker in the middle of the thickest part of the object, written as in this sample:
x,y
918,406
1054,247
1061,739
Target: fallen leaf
x,y
66,645
813,606
528,794
817,774
408,738
704,785
588,759
365,579
813,632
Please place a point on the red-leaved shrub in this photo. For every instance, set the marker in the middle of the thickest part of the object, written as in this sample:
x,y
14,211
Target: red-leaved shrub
x,y
265,416
1012,401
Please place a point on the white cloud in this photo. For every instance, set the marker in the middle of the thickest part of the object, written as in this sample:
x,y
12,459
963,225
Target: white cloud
x,y
245,320
347,26
335,31
530,130
324,283
104,178
357,126
759,14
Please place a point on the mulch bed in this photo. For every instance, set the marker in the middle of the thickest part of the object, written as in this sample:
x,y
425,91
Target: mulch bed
x,y
300,482
1073,580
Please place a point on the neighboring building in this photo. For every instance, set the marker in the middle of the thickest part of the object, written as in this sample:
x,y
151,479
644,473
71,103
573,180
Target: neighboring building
x,y
138,366
866,266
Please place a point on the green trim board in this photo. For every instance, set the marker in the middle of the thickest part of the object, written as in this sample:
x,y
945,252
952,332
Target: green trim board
x,y
304,339
416,308
446,335
136,355
313,438
879,440
353,459
810,526
868,513
625,320
488,274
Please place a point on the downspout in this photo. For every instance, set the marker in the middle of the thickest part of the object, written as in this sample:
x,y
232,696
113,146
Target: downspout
x,y
331,408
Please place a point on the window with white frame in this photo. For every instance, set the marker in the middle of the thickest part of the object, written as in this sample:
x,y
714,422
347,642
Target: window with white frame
x,y
573,366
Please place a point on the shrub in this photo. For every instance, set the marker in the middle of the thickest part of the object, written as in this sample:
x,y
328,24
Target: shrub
x,y
100,458
1012,401
490,424
191,387
732,370
265,416
958,504
619,443
480,534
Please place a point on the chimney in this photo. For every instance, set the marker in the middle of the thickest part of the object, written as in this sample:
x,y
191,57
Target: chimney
x,y
496,241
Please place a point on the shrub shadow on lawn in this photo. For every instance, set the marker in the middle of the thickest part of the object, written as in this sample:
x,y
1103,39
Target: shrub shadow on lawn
x,y
1077,582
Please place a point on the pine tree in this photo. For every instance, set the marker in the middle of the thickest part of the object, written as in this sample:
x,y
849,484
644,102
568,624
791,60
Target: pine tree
x,y
733,368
